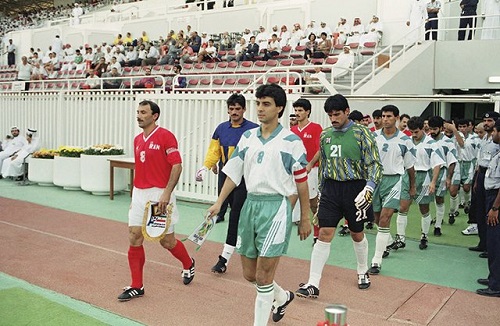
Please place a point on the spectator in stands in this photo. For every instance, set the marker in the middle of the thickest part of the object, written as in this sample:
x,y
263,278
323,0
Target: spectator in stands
x,y
114,64
246,35
284,36
77,13
57,45
195,42
274,31
35,59
262,38
226,42
101,67
114,83
52,65
38,72
187,53
131,57
344,63
147,81
208,53
311,46
92,82
273,48
78,60
11,53
469,9
141,55
357,30
431,26
88,57
171,55
239,50
98,54
118,39
145,37
109,54
297,35
204,40
342,30
13,166
252,50
24,72
417,14
152,56
323,48
128,40
374,32
311,29
325,29
318,77
178,81
13,145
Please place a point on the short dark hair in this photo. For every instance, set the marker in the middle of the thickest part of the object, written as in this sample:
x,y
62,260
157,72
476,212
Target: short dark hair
x,y
463,122
303,103
274,91
236,99
154,107
356,116
436,122
391,108
415,123
179,67
404,115
324,33
377,113
336,102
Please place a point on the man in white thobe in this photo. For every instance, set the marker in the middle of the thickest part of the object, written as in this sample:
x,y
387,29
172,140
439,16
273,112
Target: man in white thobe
x,y
76,13
15,144
417,14
13,166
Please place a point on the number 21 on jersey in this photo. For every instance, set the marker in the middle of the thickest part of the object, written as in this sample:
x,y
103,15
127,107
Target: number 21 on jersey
x,y
336,150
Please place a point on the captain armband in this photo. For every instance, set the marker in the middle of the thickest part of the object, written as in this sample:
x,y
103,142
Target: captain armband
x,y
300,175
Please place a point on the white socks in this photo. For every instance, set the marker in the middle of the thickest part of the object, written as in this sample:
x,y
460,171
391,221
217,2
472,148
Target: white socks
x,y
263,304
319,256
227,252
453,204
439,215
361,251
426,223
401,222
280,295
381,242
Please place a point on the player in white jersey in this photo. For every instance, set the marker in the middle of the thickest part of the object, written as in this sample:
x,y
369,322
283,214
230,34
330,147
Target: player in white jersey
x,y
436,127
273,161
467,157
429,161
397,154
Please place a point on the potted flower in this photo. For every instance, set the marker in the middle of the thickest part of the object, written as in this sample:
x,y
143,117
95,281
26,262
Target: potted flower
x,y
40,167
95,169
67,167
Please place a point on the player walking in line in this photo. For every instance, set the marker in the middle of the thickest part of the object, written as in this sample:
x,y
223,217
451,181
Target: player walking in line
x,y
397,154
224,141
350,170
273,162
429,161
309,132
158,166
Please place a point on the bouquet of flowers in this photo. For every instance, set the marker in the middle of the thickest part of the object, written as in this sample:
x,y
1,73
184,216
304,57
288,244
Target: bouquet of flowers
x,y
103,149
45,153
70,151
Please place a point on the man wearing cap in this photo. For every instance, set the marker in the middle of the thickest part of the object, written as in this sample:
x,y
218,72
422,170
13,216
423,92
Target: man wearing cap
x,y
487,151
14,145
76,13
492,201
13,166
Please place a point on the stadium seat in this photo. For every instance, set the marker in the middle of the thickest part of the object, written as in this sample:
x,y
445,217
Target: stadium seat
x,y
285,52
273,80
220,67
246,66
298,63
209,67
197,68
136,71
127,71
298,52
368,49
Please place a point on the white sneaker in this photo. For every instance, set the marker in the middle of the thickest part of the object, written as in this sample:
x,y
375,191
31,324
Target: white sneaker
x,y
470,230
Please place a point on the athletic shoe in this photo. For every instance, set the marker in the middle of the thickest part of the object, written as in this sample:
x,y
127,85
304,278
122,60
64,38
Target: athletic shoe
x,y
375,269
369,225
221,266
433,221
363,281
466,209
129,293
451,218
219,219
188,274
307,291
470,230
456,213
437,232
279,312
386,252
399,243
461,205
344,231
423,242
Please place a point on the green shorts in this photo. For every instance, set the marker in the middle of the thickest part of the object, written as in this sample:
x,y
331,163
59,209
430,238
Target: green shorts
x,y
388,193
466,172
441,183
265,226
422,181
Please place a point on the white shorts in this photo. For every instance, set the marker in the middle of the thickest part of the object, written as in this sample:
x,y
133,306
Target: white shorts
x,y
140,198
312,182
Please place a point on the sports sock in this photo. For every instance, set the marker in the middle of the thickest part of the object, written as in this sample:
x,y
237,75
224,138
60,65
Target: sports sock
x,y
453,204
263,304
439,215
136,260
280,295
227,251
319,256
381,242
461,195
426,223
401,222
180,252
361,251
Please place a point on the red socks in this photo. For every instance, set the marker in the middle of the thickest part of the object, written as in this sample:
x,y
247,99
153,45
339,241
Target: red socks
x,y
136,260
180,252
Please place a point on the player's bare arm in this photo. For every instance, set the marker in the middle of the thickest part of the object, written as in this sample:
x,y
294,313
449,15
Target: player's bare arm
x,y
304,225
227,188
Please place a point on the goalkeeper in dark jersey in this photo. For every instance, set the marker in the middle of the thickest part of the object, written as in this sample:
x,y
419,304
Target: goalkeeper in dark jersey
x,y
350,169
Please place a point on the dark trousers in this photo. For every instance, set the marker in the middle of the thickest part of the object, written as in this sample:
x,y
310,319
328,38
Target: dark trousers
x,y
493,245
481,210
11,58
472,206
236,199
466,21
431,29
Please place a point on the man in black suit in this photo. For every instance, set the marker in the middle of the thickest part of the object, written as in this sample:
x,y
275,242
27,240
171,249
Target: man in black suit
x,y
252,50
469,8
